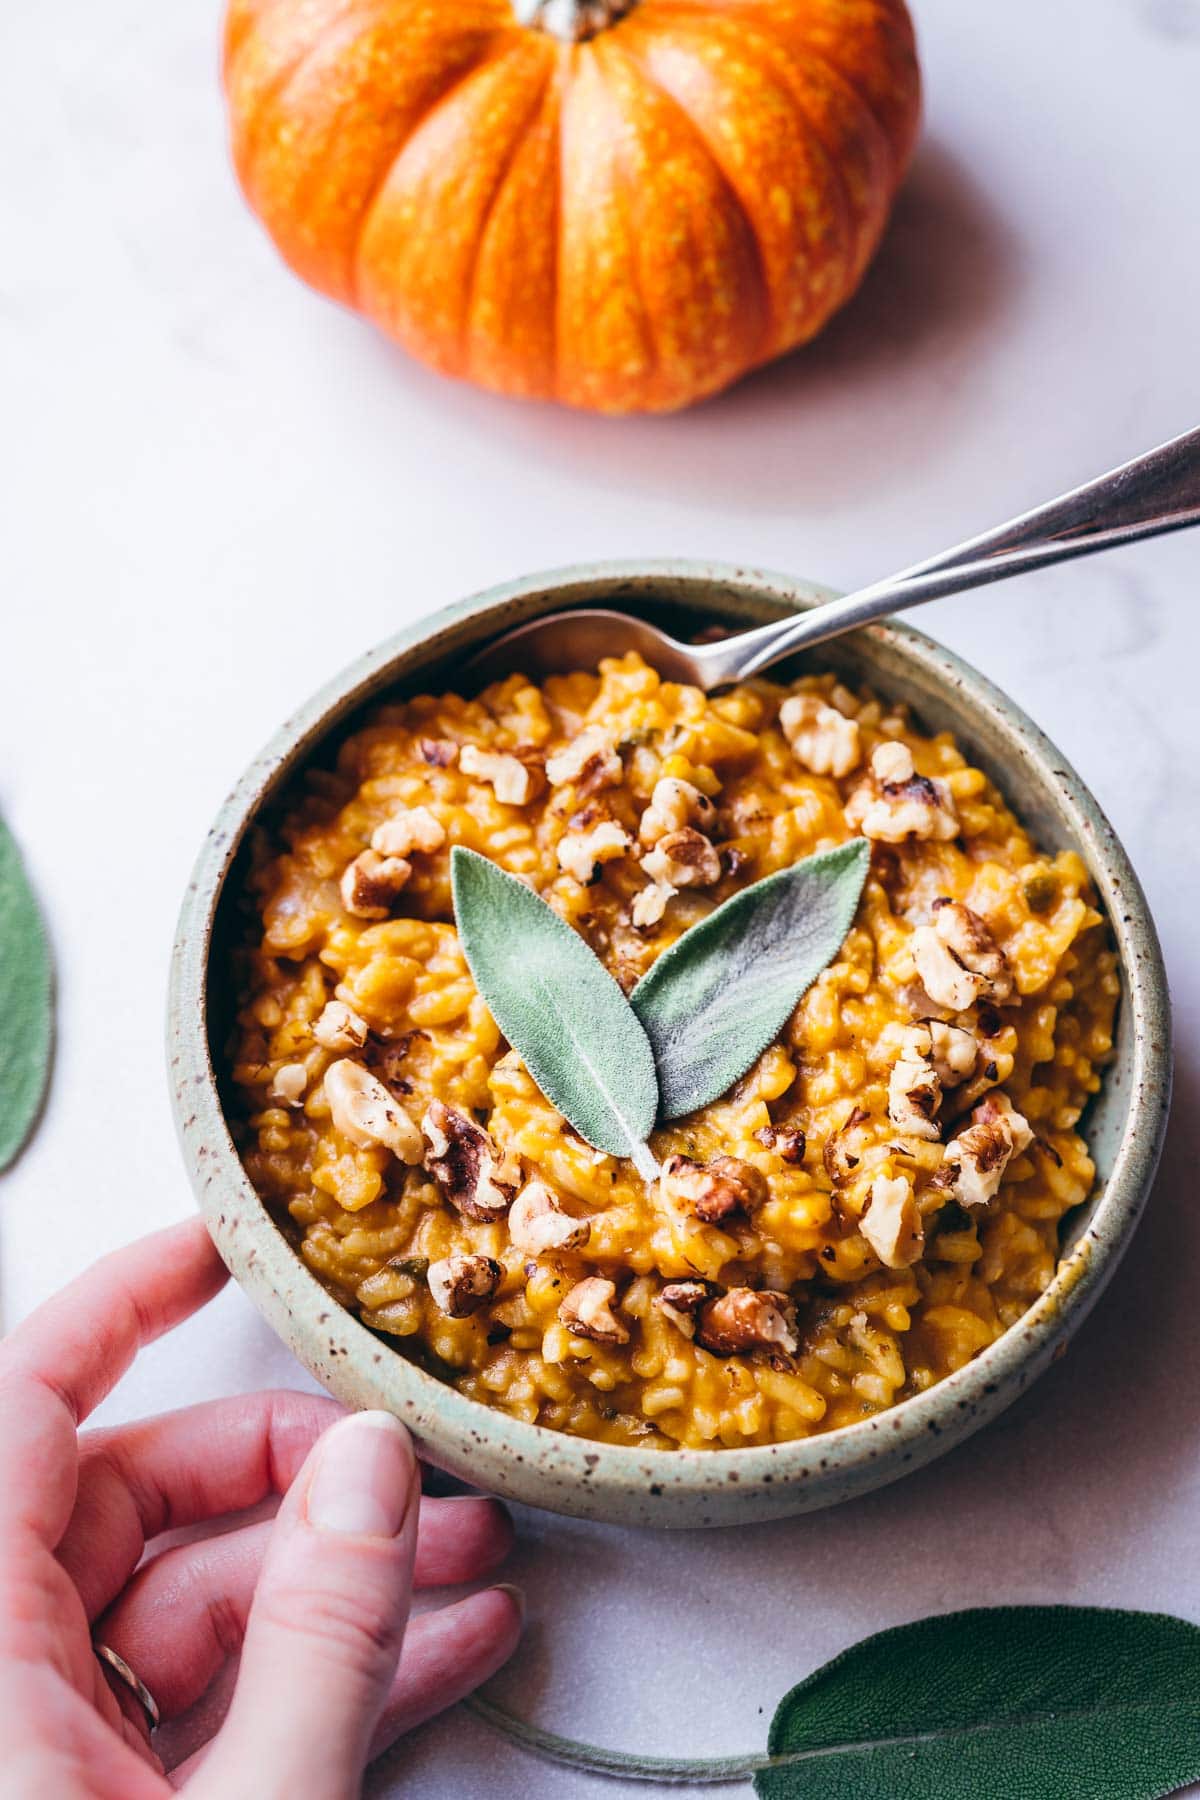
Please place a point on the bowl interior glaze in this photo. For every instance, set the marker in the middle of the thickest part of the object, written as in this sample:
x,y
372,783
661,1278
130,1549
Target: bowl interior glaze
x,y
1124,1125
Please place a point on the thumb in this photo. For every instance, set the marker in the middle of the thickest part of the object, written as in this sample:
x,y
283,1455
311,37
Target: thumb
x,y
325,1628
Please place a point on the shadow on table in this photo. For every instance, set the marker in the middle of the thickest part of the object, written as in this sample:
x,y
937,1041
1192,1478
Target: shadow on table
x,y
805,432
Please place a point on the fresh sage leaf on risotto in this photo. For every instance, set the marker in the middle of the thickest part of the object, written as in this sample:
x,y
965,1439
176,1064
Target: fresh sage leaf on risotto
x,y
1004,1703
559,1007
26,1003
713,1002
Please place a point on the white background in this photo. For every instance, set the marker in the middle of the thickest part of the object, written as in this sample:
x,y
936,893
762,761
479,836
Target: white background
x,y
217,489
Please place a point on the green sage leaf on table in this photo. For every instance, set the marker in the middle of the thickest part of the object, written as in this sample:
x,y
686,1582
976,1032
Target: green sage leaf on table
x,y
26,1004
713,1002
559,1007
1007,1703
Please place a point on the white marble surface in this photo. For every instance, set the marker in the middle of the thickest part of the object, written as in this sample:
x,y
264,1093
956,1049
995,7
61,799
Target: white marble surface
x,y
217,489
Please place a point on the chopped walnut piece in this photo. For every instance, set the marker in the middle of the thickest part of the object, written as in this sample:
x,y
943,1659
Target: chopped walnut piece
x,y
587,1312
958,959
680,1301
461,1284
412,828
465,1163
537,1223
683,859
975,1160
582,853
370,884
289,1083
364,1112
914,1095
891,1222
340,1028
675,804
952,1051
788,1142
822,739
715,1190
650,904
439,753
971,941
896,803
589,762
515,778
747,1319
843,1149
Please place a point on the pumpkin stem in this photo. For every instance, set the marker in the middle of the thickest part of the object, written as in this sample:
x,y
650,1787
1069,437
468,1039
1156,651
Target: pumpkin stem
x,y
575,21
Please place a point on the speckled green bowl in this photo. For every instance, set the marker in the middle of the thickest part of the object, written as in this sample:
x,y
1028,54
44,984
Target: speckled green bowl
x,y
682,1487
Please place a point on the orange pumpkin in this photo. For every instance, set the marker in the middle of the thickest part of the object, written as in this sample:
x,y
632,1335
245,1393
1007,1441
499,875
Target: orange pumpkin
x,y
625,217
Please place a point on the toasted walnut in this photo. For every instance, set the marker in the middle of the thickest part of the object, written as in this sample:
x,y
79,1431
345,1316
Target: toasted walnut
x,y
675,804
439,753
582,853
465,1163
788,1142
747,1319
516,779
587,1311
975,1161
370,884
914,1095
340,1028
896,803
683,859
969,938
713,1191
461,1284
958,959
364,1112
650,904
952,1051
589,762
891,1222
680,1301
843,1149
412,828
822,739
537,1223
289,1083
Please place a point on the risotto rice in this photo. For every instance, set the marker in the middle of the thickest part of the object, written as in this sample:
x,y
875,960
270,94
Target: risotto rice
x,y
873,1203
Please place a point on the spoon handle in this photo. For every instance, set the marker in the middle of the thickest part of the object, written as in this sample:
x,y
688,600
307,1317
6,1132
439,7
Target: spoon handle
x,y
1155,493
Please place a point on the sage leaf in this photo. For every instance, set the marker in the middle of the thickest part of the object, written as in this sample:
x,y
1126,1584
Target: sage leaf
x,y
558,1005
26,1004
1006,1703
713,1002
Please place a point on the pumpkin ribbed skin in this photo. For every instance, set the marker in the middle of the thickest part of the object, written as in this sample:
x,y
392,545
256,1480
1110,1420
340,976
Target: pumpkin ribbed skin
x,y
625,224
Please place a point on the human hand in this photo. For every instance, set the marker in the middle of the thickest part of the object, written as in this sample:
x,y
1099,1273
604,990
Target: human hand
x,y
317,1600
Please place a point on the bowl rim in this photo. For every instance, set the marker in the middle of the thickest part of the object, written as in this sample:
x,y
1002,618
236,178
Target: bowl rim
x,y
267,1266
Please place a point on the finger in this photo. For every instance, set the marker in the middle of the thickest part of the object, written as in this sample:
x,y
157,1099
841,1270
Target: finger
x,y
446,1655
175,1470
61,1362
327,1622
184,1613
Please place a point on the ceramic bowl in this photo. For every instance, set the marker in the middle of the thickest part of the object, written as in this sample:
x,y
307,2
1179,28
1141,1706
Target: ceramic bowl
x,y
1124,1126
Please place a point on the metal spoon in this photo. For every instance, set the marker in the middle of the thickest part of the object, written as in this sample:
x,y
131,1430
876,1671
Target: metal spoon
x,y
1155,493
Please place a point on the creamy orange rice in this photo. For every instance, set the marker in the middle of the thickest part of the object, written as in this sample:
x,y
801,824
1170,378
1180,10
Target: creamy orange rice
x,y
896,1165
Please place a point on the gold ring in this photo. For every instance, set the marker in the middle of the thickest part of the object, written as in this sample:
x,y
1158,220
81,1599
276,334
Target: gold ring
x,y
141,1692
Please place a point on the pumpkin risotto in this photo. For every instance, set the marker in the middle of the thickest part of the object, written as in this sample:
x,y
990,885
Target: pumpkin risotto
x,y
871,1205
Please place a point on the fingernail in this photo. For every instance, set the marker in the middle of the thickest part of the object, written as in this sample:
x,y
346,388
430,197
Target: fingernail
x,y
365,1477
518,1594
